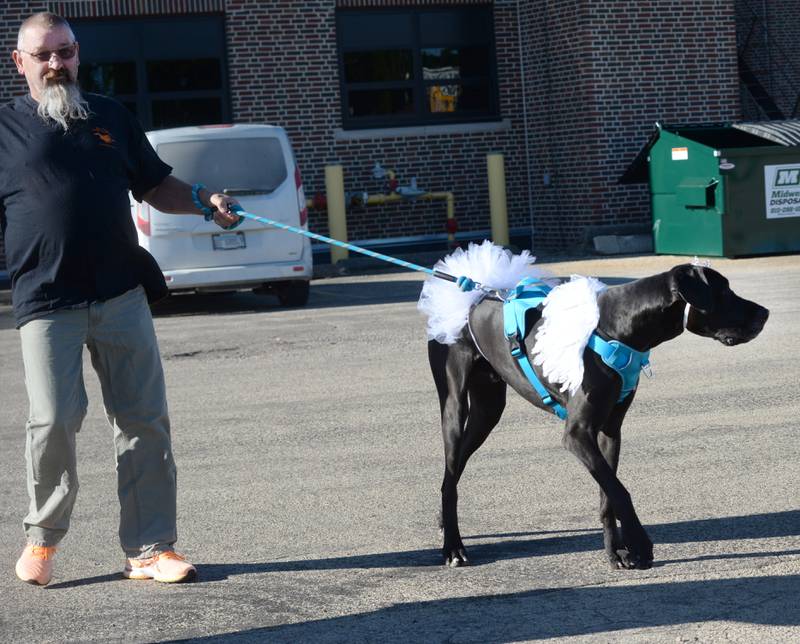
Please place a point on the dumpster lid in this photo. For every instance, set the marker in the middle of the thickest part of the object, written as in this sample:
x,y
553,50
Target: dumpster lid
x,y
717,135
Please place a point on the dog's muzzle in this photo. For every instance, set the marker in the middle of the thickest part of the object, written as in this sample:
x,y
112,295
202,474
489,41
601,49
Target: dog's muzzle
x,y
737,326
733,336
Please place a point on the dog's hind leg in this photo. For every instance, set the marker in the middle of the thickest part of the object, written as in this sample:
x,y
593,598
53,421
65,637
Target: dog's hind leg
x,y
472,399
450,366
487,400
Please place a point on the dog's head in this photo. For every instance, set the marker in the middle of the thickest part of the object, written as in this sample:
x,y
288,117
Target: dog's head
x,y
716,311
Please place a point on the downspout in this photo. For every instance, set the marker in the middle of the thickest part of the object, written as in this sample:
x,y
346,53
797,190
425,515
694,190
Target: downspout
x,y
525,119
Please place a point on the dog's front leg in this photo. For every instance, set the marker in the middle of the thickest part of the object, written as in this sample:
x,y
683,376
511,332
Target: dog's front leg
x,y
635,549
609,441
612,537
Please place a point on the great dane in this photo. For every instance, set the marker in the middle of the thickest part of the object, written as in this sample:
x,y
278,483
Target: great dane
x,y
472,376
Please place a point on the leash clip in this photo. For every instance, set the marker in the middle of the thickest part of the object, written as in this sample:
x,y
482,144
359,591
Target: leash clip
x,y
500,294
647,370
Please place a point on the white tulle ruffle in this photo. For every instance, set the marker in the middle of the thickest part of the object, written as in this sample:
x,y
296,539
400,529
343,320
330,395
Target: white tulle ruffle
x,y
570,316
447,307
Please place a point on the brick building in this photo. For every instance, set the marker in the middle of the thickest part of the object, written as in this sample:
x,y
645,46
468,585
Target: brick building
x,y
567,90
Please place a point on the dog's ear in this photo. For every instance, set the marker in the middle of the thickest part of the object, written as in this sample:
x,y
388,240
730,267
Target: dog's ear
x,y
691,285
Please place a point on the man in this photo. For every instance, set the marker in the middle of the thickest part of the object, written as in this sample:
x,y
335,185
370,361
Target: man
x,y
67,162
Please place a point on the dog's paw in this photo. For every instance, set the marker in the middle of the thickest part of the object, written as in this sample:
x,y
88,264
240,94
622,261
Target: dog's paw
x,y
455,557
457,560
623,559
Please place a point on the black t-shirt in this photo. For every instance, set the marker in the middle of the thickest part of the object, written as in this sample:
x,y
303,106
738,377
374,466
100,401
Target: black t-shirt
x,y
64,207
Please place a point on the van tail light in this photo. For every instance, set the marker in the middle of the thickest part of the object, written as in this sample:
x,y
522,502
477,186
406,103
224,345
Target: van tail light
x,y
143,218
301,196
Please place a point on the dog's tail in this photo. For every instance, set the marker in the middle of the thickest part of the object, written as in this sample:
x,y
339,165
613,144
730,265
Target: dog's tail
x,y
447,307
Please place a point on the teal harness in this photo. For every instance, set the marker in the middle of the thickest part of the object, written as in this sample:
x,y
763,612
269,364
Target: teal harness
x,y
529,294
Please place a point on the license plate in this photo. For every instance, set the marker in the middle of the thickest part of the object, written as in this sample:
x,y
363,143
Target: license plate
x,y
228,241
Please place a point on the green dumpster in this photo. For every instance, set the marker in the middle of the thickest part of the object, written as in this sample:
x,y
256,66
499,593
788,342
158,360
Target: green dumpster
x,y
725,190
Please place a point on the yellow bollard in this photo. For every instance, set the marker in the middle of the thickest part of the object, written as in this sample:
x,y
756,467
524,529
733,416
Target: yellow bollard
x,y
337,216
498,211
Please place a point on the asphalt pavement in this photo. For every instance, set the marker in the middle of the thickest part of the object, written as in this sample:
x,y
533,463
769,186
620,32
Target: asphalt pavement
x,y
310,460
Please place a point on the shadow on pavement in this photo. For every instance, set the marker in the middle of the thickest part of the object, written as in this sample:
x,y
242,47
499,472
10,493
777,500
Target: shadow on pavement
x,y
515,546
540,614
86,581
756,526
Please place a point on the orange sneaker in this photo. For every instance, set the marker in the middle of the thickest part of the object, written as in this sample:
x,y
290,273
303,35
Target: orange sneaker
x,y
35,566
168,567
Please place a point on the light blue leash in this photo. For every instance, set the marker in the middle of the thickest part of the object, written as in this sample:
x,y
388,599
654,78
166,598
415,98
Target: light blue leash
x,y
464,283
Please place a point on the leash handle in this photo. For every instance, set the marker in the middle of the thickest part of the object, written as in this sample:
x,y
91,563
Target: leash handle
x,y
335,242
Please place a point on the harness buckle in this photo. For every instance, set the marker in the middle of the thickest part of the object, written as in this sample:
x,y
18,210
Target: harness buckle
x,y
514,344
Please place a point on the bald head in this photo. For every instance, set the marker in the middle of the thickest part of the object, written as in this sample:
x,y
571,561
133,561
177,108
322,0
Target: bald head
x,y
46,21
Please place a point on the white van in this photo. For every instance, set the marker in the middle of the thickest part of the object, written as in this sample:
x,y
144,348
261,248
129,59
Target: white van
x,y
256,165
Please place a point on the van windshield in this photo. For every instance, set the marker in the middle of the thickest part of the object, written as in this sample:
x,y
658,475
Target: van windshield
x,y
233,164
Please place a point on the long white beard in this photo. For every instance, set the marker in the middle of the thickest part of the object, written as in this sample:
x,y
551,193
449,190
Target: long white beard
x,y
62,102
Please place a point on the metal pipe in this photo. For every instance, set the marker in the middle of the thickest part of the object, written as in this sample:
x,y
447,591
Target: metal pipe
x,y
449,197
338,222
380,199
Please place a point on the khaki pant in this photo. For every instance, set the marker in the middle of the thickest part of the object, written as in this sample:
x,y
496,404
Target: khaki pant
x,y
122,343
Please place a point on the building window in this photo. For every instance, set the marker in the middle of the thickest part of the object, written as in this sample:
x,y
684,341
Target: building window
x,y
417,66
170,72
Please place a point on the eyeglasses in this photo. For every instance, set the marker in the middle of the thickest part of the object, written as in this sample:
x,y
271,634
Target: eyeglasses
x,y
64,53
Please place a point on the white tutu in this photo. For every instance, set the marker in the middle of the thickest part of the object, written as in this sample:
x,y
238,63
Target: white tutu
x,y
570,316
447,307
570,313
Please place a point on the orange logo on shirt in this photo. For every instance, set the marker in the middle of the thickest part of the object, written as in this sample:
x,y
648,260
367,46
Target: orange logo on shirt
x,y
104,135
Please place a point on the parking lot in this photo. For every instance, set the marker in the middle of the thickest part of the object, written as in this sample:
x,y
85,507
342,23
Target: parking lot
x,y
310,459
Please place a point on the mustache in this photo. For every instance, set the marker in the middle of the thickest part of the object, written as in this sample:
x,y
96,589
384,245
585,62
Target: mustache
x,y
57,76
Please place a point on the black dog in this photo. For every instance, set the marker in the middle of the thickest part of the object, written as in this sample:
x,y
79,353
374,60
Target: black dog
x,y
472,382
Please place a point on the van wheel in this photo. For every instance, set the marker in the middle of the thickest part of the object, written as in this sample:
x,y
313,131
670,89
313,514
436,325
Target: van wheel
x,y
294,293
